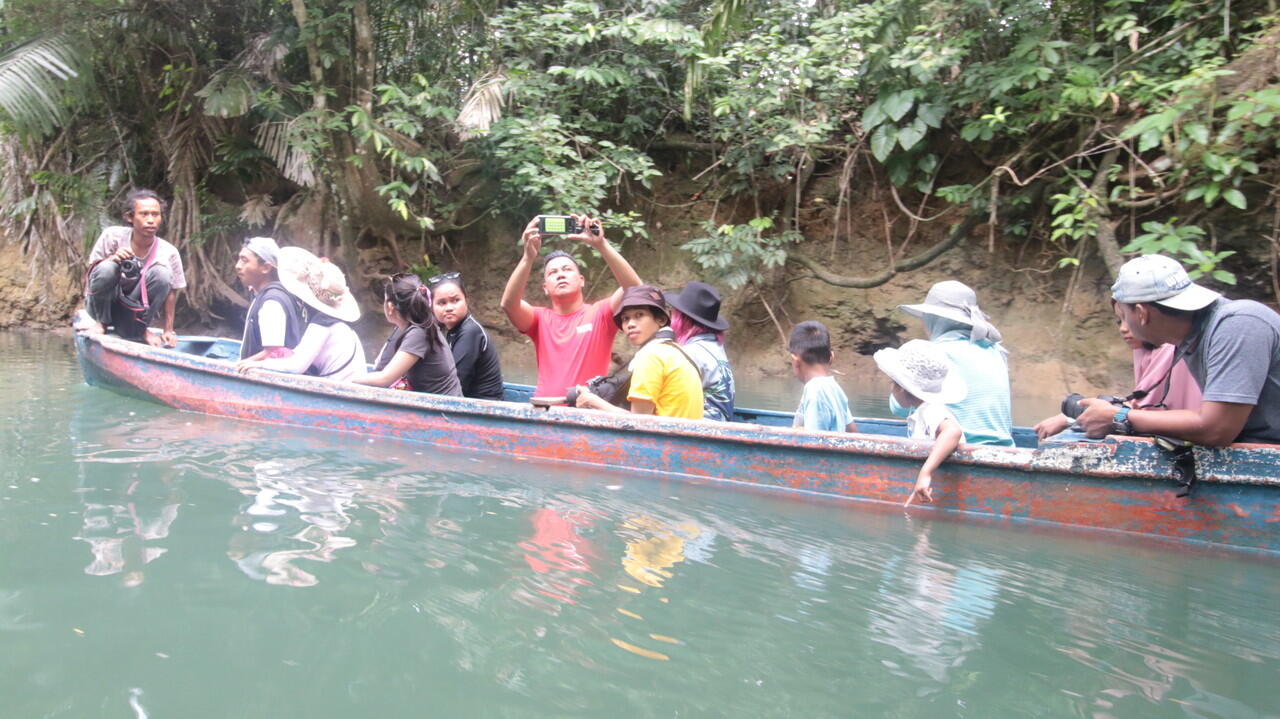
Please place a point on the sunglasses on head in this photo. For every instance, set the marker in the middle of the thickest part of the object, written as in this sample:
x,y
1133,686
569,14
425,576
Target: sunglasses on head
x,y
443,277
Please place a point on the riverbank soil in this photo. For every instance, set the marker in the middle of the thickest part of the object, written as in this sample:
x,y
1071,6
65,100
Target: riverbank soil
x,y
1056,344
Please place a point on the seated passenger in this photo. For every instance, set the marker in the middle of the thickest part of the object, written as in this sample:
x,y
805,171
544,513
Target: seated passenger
x,y
1162,384
1231,347
925,381
474,356
823,405
273,325
698,327
962,331
416,352
664,381
329,347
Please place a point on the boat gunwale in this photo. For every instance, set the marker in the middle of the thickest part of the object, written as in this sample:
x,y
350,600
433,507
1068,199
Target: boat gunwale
x,y
1086,458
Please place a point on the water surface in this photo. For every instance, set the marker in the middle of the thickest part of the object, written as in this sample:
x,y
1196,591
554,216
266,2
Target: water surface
x,y
163,564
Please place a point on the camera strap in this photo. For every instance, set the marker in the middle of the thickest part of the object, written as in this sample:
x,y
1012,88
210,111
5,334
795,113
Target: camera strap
x,y
1184,349
667,335
142,275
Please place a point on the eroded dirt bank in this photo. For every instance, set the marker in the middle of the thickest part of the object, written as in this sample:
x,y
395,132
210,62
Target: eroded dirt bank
x,y
1051,349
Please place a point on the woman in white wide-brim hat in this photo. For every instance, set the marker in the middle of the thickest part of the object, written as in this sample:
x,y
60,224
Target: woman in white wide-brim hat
x,y
329,347
958,327
925,383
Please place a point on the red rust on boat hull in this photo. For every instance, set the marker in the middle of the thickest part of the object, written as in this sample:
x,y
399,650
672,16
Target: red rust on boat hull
x,y
1121,485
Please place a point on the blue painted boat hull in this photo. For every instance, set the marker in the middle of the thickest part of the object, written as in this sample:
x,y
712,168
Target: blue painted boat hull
x,y
1122,484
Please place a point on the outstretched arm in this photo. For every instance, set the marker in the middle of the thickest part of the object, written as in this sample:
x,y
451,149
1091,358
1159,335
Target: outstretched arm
x,y
399,365
518,311
946,441
622,270
1050,426
309,347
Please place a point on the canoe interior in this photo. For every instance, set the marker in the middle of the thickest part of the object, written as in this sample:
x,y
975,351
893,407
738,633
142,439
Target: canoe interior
x,y
227,349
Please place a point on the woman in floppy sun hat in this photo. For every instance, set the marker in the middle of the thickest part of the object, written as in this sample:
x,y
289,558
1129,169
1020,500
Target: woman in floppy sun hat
x,y
964,333
699,328
329,347
925,382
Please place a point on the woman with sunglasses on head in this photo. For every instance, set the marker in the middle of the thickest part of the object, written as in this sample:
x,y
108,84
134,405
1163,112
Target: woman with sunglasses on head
x,y
416,351
474,356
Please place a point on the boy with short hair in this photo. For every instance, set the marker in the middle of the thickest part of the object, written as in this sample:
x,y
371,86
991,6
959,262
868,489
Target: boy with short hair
x,y
925,382
823,406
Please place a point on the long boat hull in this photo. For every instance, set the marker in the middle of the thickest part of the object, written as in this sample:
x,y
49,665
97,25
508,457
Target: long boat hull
x,y
1122,484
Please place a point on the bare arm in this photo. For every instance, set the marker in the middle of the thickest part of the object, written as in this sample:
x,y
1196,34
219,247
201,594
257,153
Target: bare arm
x,y
170,302
622,270
1046,428
399,365
518,311
946,441
1216,424
589,400
309,347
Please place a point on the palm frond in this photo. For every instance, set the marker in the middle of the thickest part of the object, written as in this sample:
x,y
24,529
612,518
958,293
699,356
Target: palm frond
x,y
725,16
275,139
258,209
482,106
34,80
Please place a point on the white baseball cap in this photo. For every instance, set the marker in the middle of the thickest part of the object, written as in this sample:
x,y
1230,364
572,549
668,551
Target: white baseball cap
x,y
1162,280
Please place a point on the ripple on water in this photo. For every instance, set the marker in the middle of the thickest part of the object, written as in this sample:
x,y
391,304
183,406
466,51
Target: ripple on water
x,y
263,569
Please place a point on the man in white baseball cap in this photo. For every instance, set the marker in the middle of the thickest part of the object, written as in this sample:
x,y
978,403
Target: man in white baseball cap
x,y
1232,348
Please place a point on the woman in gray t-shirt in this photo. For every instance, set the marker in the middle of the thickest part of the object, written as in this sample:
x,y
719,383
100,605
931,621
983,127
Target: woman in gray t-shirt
x,y
415,356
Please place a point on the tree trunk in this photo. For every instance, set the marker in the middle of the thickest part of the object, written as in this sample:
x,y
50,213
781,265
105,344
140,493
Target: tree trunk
x,y
1108,248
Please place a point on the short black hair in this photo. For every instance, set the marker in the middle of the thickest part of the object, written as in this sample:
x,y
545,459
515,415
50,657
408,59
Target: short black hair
x,y
131,200
1171,312
811,342
559,253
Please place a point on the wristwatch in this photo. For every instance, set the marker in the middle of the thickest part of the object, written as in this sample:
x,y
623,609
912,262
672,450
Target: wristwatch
x,y
1120,423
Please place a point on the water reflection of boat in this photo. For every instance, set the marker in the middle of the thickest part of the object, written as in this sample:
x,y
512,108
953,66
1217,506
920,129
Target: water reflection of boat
x,y
1121,484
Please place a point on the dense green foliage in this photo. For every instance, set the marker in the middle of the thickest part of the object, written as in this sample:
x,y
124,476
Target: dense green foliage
x,y
1075,126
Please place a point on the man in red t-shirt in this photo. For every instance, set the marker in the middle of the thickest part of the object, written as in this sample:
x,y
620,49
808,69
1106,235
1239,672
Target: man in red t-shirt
x,y
573,340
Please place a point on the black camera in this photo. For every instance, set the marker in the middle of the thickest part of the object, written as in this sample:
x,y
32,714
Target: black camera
x,y
612,389
562,225
130,269
1071,403
558,225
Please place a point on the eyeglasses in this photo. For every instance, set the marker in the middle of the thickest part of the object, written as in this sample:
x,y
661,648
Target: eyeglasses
x,y
443,277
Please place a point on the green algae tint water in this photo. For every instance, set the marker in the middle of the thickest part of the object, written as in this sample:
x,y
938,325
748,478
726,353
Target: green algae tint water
x,y
161,564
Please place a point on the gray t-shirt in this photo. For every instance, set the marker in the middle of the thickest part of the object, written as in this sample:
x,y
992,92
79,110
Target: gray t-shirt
x,y
1237,359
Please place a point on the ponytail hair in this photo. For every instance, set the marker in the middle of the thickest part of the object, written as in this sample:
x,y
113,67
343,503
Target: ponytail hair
x,y
412,300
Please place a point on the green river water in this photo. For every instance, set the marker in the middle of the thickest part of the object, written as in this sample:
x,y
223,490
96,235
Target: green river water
x,y
161,564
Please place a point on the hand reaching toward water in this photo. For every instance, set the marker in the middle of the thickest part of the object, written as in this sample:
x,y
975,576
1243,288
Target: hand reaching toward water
x,y
923,489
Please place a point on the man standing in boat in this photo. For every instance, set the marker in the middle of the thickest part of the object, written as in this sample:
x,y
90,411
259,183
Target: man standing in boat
x,y
132,273
274,323
573,340
1232,348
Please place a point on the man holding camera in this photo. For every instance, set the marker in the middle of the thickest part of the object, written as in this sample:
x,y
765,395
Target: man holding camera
x,y
1232,348
573,340
132,273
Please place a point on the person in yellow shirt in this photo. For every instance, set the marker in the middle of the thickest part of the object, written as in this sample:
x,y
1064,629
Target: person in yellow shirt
x,y
664,381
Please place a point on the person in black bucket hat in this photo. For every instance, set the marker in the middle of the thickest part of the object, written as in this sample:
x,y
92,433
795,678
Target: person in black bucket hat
x,y
699,328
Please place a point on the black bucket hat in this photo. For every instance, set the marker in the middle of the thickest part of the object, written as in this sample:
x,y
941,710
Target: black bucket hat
x,y
641,296
701,303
